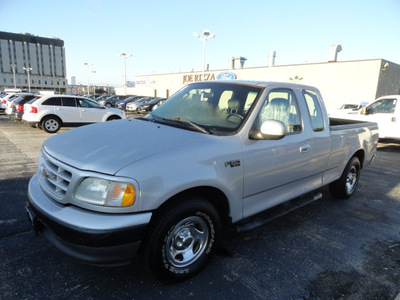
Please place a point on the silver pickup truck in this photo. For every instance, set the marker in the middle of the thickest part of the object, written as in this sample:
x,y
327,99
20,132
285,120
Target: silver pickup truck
x,y
216,155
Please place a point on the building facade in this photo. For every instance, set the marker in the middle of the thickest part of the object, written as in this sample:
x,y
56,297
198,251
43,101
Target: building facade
x,y
32,62
340,82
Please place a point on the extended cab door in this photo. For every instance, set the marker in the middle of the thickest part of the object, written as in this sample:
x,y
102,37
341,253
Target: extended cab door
x,y
279,170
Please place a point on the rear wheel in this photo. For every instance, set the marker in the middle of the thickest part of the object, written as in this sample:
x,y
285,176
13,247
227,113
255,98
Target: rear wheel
x,y
108,105
183,239
51,124
346,185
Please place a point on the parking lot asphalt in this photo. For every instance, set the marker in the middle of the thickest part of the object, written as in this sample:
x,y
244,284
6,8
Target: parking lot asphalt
x,y
329,249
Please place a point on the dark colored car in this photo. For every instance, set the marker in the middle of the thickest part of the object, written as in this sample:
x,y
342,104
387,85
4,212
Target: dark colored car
x,y
122,104
15,108
111,101
149,106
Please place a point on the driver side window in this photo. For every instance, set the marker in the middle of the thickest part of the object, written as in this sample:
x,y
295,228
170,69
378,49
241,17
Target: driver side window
x,y
281,105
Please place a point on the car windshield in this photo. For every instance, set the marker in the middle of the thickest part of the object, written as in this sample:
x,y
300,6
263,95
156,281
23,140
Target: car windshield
x,y
216,107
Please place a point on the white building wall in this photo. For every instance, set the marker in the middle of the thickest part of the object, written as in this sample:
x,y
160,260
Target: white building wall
x,y
339,82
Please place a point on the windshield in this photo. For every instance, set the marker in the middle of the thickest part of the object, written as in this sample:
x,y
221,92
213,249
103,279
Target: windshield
x,y
211,105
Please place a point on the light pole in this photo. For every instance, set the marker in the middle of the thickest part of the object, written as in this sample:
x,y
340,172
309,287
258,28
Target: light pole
x,y
28,70
13,66
94,85
125,56
206,37
87,75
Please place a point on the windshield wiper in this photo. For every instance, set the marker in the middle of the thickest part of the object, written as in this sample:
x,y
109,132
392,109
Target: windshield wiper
x,y
194,125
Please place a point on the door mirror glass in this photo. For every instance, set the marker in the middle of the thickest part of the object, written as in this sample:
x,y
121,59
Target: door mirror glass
x,y
269,130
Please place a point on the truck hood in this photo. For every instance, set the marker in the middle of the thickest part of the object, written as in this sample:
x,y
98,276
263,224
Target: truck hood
x,y
109,146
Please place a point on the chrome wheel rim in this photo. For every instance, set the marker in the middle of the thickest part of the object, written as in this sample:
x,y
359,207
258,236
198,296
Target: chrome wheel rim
x,y
351,180
187,241
51,125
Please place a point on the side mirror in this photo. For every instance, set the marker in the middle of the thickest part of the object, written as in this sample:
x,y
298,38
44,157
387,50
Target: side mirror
x,y
269,130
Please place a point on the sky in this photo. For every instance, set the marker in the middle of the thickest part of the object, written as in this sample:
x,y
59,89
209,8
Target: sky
x,y
159,34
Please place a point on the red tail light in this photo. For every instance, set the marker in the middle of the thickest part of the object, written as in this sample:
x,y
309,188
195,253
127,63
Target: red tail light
x,y
4,101
19,107
33,110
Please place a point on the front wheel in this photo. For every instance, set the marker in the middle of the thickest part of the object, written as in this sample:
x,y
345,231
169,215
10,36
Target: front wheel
x,y
182,240
346,185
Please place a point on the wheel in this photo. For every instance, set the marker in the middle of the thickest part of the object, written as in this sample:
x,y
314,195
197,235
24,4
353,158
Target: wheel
x,y
113,118
346,185
182,240
51,124
108,105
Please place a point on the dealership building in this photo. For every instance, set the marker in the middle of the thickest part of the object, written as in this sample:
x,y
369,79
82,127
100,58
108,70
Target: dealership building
x,y
340,82
29,61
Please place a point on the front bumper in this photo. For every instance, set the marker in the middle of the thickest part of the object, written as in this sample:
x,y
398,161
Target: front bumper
x,y
93,237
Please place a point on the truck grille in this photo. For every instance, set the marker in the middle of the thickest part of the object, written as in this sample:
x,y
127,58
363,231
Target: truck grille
x,y
54,178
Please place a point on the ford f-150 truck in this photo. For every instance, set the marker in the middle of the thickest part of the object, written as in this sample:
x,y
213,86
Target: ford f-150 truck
x,y
216,155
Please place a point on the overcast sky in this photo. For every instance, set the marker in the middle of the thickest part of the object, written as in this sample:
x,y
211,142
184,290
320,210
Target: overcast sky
x,y
159,34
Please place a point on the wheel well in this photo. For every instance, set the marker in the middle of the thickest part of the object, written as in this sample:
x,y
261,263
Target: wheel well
x,y
113,117
360,154
53,116
214,195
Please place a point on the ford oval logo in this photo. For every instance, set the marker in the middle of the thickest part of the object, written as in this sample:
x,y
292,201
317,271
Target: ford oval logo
x,y
226,76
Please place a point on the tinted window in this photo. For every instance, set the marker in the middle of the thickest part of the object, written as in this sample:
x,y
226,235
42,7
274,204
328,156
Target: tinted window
x,y
383,106
87,103
69,102
56,101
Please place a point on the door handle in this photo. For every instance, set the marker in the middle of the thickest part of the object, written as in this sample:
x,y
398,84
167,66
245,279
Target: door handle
x,y
305,148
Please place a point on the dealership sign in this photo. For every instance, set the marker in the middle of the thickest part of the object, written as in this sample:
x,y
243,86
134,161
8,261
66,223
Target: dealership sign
x,y
208,76
226,76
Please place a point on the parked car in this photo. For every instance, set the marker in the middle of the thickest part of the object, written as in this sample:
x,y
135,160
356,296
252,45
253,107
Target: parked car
x,y
133,106
110,101
15,108
197,166
151,105
122,104
101,97
9,97
52,112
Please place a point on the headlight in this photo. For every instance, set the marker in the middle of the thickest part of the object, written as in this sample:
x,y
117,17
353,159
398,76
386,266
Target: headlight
x,y
105,192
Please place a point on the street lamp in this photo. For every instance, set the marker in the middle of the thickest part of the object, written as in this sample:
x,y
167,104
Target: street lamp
x,y
13,66
125,56
29,80
206,37
87,75
94,85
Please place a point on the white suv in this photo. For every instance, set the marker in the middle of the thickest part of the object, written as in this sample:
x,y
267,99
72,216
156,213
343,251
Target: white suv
x,y
53,111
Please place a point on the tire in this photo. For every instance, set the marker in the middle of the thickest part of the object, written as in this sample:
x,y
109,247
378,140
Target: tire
x,y
182,240
51,124
346,185
108,105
